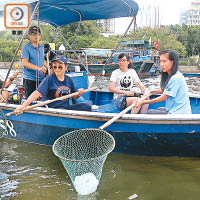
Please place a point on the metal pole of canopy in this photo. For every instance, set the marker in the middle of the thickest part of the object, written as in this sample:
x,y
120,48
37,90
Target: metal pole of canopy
x,y
19,46
71,46
67,44
109,58
78,27
133,50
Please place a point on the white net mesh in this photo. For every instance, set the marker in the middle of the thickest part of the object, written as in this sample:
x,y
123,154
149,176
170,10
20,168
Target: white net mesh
x,y
83,153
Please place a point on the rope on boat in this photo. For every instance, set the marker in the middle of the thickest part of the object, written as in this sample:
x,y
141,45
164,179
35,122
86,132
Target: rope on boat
x,y
3,124
11,128
6,125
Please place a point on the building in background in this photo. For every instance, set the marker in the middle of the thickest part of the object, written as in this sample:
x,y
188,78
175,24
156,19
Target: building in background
x,y
108,25
183,17
192,15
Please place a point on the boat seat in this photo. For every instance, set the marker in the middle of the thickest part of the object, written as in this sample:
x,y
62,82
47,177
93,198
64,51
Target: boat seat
x,y
108,108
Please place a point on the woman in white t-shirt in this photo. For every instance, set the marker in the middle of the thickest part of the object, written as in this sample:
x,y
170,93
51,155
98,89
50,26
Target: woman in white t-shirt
x,y
122,81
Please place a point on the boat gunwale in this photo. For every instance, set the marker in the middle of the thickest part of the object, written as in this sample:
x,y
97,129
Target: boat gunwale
x,y
127,118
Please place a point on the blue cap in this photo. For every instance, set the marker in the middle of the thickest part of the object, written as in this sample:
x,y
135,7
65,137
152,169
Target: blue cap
x,y
60,58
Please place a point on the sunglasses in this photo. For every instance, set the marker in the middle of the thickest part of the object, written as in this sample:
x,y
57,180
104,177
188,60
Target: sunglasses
x,y
59,67
34,33
122,60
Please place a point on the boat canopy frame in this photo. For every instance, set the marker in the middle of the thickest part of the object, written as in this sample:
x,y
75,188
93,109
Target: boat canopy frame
x,y
63,6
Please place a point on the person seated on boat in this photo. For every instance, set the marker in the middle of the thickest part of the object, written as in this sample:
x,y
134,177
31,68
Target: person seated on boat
x,y
55,85
5,94
121,83
173,87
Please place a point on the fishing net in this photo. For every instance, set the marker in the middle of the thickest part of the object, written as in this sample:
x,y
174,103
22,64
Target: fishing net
x,y
3,124
83,153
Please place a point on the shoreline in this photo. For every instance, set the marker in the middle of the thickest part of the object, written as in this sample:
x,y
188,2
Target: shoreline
x,y
184,68
18,65
6,65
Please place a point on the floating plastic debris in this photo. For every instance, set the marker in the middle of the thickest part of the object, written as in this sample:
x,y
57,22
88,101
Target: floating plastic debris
x,y
133,196
86,184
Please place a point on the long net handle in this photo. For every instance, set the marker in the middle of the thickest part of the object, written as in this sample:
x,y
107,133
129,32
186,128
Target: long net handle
x,y
123,112
51,101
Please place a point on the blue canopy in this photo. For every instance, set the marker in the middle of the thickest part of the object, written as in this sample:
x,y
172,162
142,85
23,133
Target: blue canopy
x,y
61,12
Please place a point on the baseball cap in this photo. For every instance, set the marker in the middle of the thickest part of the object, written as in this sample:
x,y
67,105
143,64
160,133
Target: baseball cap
x,y
60,58
34,29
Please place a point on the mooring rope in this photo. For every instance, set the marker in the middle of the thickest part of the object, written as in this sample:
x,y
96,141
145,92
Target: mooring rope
x,y
11,128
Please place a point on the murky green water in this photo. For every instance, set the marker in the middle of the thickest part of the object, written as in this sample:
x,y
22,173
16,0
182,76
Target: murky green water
x,y
30,171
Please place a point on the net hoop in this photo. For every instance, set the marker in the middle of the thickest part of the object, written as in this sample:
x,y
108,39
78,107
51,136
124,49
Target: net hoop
x,y
97,131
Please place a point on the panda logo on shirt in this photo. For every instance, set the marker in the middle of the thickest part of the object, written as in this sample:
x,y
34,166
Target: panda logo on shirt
x,y
125,82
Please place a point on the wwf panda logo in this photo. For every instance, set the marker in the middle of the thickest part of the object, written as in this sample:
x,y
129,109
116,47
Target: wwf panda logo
x,y
125,82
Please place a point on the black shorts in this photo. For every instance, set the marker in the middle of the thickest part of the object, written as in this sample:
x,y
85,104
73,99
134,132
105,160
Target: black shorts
x,y
29,87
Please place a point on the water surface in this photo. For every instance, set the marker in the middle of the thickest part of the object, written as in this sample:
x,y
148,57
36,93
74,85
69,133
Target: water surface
x,y
30,171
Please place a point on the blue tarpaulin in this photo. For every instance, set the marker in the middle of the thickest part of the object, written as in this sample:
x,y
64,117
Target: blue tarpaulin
x,y
61,12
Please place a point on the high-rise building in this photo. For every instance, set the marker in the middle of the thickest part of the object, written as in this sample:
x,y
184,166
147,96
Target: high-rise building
x,y
183,17
192,15
108,25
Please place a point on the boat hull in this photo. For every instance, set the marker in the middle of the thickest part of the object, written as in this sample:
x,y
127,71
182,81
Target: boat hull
x,y
134,134
191,74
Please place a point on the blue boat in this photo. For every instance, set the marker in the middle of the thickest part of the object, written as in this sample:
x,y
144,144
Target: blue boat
x,y
139,134
191,74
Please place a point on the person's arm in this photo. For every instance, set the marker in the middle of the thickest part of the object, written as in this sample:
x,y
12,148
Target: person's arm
x,y
141,86
80,91
35,95
156,91
112,88
163,97
11,79
29,65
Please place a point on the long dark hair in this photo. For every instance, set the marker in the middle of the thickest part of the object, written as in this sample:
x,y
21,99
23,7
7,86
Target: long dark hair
x,y
173,56
121,55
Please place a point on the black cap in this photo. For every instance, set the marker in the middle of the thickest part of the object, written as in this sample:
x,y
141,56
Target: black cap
x,y
34,29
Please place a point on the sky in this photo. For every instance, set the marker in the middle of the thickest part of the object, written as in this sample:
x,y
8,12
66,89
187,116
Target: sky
x,y
169,11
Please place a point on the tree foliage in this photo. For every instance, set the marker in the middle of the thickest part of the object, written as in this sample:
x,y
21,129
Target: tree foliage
x,y
184,39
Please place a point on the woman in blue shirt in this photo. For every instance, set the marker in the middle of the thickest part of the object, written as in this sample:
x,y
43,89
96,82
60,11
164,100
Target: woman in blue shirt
x,y
173,87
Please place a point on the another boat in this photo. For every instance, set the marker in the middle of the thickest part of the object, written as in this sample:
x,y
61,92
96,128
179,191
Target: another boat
x,y
142,60
191,74
139,134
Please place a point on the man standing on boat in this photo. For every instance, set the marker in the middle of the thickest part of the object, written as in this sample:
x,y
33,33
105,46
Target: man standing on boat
x,y
56,85
32,57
